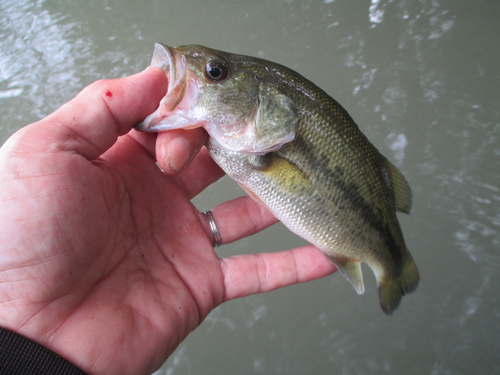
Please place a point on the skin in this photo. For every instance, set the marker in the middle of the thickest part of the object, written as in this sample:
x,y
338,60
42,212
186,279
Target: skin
x,y
103,258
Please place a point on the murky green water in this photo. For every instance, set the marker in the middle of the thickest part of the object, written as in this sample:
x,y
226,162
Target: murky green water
x,y
421,79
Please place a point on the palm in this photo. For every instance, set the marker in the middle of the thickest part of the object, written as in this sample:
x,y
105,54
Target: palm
x,y
130,264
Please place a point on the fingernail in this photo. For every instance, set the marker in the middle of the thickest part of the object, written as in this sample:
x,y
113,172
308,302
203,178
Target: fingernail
x,y
178,153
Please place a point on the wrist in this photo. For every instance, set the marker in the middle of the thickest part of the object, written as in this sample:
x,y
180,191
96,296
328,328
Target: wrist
x,y
20,355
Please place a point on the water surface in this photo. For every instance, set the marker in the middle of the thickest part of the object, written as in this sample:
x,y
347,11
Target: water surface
x,y
420,78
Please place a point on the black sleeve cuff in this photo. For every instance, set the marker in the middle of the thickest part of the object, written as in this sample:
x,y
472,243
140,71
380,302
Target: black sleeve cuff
x,y
20,355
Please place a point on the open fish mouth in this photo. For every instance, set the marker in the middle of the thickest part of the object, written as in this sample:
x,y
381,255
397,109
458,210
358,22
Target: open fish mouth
x,y
195,99
183,93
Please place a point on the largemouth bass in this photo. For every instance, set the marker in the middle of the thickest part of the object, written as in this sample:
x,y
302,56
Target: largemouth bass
x,y
295,149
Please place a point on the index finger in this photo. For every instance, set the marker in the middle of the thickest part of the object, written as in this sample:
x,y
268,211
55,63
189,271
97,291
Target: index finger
x,y
91,122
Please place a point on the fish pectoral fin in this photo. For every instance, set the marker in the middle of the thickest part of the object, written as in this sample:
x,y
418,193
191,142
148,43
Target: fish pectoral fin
x,y
401,188
350,269
275,119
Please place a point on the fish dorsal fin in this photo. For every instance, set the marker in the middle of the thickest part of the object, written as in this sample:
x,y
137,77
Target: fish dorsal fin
x,y
350,269
401,188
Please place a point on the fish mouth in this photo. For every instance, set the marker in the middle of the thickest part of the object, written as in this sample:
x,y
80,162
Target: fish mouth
x,y
183,108
184,91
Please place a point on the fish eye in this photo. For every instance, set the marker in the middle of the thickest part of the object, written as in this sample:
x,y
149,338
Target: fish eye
x,y
216,71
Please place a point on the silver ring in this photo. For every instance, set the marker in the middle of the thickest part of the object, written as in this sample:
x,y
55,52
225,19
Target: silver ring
x,y
215,231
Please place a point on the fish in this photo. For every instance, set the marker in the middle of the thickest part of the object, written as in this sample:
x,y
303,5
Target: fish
x,y
297,151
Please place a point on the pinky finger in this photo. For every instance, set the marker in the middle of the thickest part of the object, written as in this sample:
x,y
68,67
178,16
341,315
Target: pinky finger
x,y
258,273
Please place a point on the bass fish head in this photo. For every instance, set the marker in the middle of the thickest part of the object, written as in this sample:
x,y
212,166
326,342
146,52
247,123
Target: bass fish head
x,y
235,98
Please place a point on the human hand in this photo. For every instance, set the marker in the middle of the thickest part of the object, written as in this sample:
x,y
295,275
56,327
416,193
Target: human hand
x,y
103,258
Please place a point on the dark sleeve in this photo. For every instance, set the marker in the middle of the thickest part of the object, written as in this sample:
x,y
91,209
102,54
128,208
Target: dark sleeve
x,y
19,355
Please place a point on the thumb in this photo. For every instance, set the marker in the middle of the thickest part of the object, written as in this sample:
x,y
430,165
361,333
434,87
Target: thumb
x,y
91,123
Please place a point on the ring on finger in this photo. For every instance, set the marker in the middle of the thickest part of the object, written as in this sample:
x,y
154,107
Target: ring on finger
x,y
213,227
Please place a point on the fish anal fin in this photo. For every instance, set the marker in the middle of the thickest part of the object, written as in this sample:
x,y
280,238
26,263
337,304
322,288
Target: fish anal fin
x,y
350,269
401,188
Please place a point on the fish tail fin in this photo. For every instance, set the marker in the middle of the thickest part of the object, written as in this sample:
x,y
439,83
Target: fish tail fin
x,y
391,289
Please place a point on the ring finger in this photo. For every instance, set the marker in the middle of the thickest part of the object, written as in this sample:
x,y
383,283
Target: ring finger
x,y
236,219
